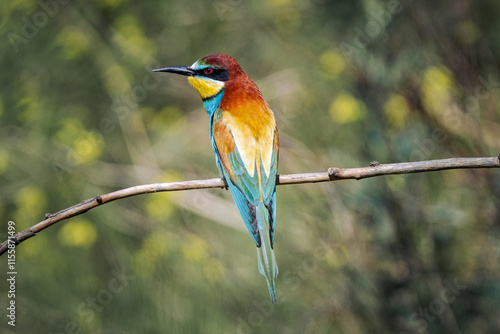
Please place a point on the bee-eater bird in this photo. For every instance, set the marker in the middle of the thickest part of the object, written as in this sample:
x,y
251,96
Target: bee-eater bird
x,y
244,140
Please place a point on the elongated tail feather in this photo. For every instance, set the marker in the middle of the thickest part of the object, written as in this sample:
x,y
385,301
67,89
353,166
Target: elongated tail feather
x,y
265,254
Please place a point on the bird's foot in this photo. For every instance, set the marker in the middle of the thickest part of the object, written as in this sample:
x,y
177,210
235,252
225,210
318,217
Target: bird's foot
x,y
226,186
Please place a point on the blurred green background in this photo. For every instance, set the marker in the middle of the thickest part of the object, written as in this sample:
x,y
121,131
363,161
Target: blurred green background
x,y
350,82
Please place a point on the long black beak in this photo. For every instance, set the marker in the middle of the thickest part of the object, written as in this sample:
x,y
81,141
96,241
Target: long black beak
x,y
182,70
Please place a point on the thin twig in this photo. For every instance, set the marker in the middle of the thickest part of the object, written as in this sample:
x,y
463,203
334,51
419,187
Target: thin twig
x,y
333,174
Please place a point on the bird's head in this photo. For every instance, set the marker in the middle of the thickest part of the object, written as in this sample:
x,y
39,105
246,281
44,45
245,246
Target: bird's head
x,y
209,74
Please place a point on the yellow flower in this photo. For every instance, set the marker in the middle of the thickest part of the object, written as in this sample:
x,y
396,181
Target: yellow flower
x,y
78,233
437,88
397,111
345,109
332,63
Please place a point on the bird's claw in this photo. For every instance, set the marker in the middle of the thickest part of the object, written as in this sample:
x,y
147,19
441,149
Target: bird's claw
x,y
226,186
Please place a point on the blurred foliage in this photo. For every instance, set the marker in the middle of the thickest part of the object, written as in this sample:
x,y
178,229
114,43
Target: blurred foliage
x,y
350,82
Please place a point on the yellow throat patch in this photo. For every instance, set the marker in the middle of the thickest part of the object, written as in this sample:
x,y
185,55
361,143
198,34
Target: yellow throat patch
x,y
205,86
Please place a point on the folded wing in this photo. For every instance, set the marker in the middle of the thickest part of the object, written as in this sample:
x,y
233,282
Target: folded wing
x,y
249,164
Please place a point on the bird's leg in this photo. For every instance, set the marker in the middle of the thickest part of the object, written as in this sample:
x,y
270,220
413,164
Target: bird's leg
x,y
226,186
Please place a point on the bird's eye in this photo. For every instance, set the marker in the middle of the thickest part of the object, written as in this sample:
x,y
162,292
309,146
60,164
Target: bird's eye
x,y
208,70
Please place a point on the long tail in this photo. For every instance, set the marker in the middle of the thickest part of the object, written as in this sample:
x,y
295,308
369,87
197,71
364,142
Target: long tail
x,y
265,254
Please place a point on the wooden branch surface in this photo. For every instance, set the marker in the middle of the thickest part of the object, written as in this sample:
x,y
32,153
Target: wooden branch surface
x,y
333,174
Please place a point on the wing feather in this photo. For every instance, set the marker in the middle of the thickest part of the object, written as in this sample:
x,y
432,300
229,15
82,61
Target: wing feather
x,y
247,188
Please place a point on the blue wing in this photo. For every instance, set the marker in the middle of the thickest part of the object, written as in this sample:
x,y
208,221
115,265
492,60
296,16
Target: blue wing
x,y
244,187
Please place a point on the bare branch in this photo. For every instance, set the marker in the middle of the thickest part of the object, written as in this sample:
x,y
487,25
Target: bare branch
x,y
333,174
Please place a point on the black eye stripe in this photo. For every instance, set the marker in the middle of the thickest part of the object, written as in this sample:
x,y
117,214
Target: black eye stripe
x,y
217,74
